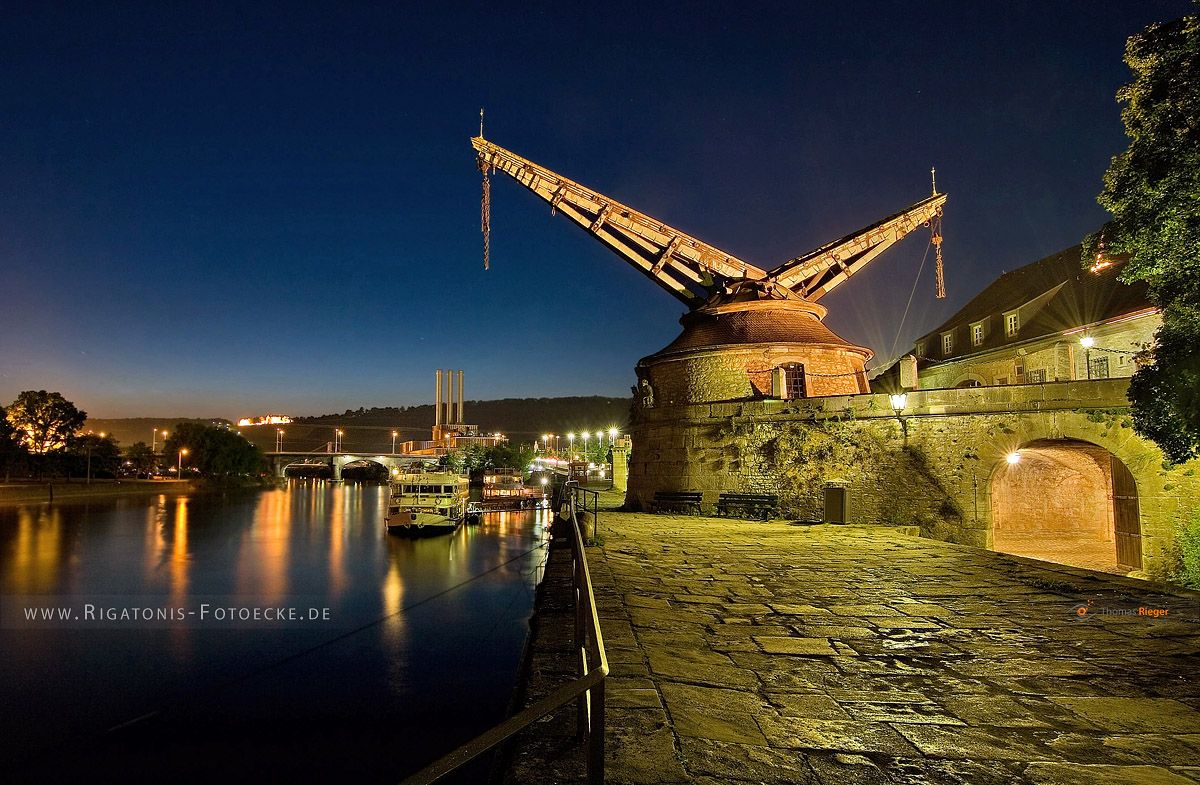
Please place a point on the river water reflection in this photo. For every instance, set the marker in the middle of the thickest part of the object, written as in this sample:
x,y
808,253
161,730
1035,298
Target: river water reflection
x,y
420,651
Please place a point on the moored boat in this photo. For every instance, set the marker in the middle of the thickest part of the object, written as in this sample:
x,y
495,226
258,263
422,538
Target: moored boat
x,y
426,502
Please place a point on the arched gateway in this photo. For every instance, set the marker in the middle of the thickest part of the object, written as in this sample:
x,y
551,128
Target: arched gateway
x,y
1067,501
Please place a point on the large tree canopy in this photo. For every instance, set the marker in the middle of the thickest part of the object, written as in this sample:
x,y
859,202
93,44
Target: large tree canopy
x,y
214,452
44,421
1152,190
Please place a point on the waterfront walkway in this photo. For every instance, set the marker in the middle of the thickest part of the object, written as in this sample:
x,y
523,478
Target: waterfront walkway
x,y
776,653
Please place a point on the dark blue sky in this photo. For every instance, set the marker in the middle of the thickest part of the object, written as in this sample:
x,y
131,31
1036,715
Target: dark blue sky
x,y
275,207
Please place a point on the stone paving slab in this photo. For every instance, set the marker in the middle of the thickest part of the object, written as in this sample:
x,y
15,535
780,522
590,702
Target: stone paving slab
x,y
775,653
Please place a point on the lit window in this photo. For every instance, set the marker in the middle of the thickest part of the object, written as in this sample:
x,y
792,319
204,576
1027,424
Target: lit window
x,y
1012,323
920,349
947,343
977,334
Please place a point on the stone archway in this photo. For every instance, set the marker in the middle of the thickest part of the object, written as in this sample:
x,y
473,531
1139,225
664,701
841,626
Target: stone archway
x,y
1067,501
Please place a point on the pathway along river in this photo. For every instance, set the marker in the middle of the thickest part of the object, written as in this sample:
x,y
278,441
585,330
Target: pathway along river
x,y
419,654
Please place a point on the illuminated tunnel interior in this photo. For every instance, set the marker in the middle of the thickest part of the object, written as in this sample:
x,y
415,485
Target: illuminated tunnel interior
x,y
1069,502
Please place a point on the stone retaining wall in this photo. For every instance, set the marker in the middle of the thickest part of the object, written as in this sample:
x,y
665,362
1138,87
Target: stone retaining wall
x,y
932,467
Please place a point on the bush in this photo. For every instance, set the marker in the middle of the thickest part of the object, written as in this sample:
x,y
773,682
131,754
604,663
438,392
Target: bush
x,y
1187,540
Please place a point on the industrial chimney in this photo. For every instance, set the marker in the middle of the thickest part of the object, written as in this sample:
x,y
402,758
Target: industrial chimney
x,y
437,400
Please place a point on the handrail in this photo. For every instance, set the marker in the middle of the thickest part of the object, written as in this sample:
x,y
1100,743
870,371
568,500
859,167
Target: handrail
x,y
587,690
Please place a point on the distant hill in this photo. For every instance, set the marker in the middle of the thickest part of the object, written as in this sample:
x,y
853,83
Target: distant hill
x,y
127,430
521,419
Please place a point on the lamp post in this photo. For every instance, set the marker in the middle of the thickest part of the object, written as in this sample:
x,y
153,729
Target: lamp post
x,y
179,469
1087,342
154,439
394,435
612,435
337,439
571,444
899,401
91,444
278,440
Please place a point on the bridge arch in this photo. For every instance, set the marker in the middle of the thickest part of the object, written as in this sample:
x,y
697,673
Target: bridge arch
x,y
366,469
1067,500
307,469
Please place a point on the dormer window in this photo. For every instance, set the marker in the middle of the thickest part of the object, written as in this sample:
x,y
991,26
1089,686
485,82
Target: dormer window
x,y
947,344
1012,324
977,334
920,350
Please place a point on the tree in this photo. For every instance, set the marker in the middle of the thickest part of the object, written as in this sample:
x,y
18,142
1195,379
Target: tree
x,y
12,453
140,457
44,421
97,450
214,452
1152,190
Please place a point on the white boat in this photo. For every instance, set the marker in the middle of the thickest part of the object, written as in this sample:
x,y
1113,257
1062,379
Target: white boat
x,y
426,503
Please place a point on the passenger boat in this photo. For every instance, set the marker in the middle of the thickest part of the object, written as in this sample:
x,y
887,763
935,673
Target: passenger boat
x,y
505,485
426,503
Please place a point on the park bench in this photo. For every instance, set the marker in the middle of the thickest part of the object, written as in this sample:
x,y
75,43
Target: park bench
x,y
748,505
678,501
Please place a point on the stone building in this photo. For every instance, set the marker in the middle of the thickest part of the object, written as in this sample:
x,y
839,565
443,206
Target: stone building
x,y
740,347
1049,321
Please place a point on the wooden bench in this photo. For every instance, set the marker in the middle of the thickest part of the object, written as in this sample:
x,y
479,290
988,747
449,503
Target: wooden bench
x,y
748,505
677,501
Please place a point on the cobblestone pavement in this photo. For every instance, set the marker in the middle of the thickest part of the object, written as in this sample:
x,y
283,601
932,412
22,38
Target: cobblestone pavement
x,y
776,653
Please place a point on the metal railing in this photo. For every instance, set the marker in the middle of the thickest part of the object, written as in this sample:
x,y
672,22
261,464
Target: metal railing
x,y
587,689
586,501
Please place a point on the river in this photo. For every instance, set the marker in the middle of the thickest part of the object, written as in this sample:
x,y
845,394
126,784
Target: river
x,y
402,649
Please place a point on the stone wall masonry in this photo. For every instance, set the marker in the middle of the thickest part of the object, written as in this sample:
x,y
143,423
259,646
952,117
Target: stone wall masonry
x,y
745,372
935,470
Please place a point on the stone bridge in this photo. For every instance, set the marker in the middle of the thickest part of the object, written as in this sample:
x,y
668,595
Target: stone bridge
x,y
1017,468
281,461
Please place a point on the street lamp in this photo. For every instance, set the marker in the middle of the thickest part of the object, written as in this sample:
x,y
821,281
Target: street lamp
x,y
571,444
1013,457
612,435
1087,342
899,401
179,470
337,439
91,444
278,440
394,435
154,439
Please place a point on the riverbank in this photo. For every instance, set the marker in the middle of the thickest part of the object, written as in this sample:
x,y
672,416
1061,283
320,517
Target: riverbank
x,y
854,654
63,490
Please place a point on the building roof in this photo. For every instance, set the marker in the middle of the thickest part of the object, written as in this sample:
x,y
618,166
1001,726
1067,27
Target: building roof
x,y
1053,295
702,329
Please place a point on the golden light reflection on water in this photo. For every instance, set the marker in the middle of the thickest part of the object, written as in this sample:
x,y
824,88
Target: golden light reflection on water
x,y
180,558
38,551
263,571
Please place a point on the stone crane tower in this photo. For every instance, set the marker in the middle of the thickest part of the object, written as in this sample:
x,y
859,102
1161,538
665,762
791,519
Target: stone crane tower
x,y
749,332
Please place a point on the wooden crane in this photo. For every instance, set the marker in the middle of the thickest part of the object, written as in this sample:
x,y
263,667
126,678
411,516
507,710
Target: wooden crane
x,y
690,269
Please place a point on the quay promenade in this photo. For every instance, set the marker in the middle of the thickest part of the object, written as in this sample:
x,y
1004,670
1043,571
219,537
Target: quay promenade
x,y
776,653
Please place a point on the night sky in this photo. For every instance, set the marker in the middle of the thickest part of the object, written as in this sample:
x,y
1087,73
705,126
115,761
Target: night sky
x,y
275,207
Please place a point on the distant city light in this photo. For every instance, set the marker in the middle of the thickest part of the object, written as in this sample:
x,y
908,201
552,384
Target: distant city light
x,y
266,419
